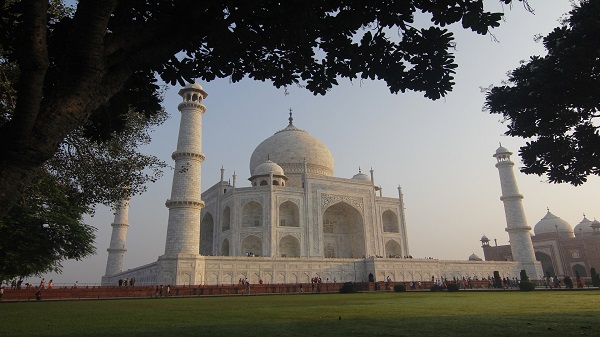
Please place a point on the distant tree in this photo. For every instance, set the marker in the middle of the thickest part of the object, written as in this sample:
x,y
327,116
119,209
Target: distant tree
x,y
43,229
85,71
46,226
554,100
497,279
595,277
523,275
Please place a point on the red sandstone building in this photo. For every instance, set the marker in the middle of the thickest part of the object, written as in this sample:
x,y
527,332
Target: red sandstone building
x,y
561,249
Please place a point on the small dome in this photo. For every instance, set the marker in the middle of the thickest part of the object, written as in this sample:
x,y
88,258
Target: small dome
x,y
474,257
595,224
583,228
361,176
194,87
502,149
266,168
553,224
484,238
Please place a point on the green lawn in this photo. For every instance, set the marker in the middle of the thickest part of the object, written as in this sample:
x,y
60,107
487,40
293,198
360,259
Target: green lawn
x,y
540,313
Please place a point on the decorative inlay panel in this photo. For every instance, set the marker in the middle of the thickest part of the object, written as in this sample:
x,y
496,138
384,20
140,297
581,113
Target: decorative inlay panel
x,y
329,199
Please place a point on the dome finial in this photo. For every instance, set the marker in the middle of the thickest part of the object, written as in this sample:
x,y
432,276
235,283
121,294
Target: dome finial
x,y
291,119
359,171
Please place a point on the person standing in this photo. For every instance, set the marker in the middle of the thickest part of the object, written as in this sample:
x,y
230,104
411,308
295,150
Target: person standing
x,y
42,283
50,284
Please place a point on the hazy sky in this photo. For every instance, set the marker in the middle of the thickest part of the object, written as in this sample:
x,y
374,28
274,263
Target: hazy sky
x,y
440,152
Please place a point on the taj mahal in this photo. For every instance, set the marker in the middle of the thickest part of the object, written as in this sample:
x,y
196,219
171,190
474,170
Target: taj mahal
x,y
296,220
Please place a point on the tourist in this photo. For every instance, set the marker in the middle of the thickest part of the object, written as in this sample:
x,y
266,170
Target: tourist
x,y
169,290
42,283
50,284
556,282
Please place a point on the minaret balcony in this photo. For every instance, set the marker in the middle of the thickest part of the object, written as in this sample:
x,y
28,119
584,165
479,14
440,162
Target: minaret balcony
x,y
193,105
184,203
190,155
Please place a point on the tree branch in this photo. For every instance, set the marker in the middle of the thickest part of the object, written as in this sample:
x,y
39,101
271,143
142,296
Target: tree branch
x,y
33,64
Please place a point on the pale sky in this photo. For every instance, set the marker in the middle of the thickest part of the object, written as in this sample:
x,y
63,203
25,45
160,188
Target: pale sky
x,y
439,152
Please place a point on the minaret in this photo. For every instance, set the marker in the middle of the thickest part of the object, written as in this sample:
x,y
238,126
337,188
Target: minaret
x,y
116,250
403,222
516,224
185,204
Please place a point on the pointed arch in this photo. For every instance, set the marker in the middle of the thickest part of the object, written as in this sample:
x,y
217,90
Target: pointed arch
x,y
343,231
289,214
289,246
226,221
547,265
225,248
390,222
206,235
579,268
252,244
252,214
393,248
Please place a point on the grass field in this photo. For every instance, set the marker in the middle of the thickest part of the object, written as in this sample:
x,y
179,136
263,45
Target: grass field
x,y
540,313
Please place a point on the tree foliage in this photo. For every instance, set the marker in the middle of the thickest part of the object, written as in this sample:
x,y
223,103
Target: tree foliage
x,y
98,162
554,100
89,69
43,229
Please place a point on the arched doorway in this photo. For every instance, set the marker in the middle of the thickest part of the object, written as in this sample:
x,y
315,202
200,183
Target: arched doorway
x,y
390,222
288,215
225,248
252,214
393,249
547,265
252,244
343,232
289,246
206,235
578,268
226,223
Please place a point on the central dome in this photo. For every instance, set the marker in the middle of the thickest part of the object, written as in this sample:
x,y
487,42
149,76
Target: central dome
x,y
289,148
553,224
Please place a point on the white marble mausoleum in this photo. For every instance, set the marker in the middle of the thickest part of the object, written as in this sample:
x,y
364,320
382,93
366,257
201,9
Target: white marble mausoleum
x,y
294,221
